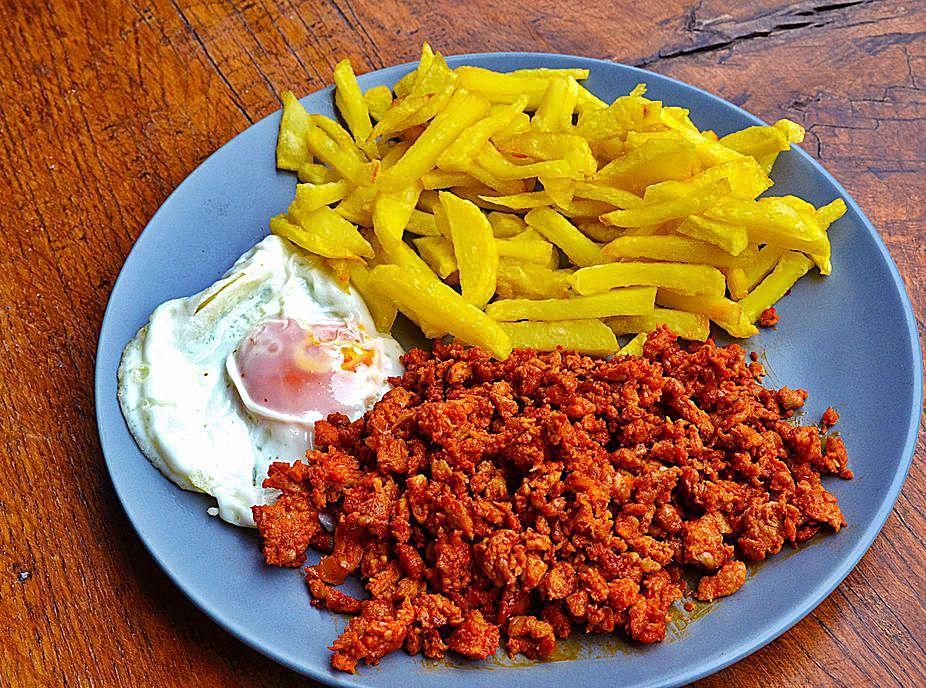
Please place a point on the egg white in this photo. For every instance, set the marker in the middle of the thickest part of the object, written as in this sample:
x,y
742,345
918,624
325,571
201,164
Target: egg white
x,y
181,406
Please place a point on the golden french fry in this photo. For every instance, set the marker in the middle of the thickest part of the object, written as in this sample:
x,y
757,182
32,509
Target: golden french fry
x,y
790,268
474,247
350,102
437,252
598,232
427,300
730,238
688,279
459,155
721,310
829,213
554,112
772,221
744,176
339,135
392,211
378,100
536,251
521,201
344,163
357,206
502,88
551,146
422,224
682,206
693,326
635,346
655,161
461,111
314,173
562,233
627,113
292,151
589,336
322,232
518,279
629,301
382,309
404,86
751,268
401,254
668,247
313,196
506,225
496,164
617,198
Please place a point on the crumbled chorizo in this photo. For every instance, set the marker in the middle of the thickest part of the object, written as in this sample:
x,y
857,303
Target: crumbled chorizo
x,y
487,503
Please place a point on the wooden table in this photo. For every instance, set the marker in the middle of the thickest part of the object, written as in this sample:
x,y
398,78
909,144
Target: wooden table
x,y
107,105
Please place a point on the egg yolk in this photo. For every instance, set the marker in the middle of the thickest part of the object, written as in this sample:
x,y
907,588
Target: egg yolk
x,y
286,371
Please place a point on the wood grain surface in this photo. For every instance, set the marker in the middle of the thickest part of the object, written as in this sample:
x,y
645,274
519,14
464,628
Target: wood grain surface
x,y
107,105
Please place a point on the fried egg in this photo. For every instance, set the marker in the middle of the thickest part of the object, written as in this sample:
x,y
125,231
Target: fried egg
x,y
219,385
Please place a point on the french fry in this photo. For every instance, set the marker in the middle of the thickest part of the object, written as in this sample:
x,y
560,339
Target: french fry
x,y
521,201
792,266
631,112
378,100
339,135
635,346
554,112
292,151
772,221
748,272
382,310
551,146
721,310
404,256
350,103
459,155
629,301
617,198
730,238
474,247
529,250
427,300
561,232
598,232
506,225
422,223
829,213
682,206
322,232
669,247
461,111
357,206
684,278
502,88
437,252
404,85
655,161
517,279
693,326
745,177
496,164
314,173
314,196
764,143
347,165
591,337
392,211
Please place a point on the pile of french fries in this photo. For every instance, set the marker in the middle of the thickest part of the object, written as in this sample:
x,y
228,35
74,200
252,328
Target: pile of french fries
x,y
519,210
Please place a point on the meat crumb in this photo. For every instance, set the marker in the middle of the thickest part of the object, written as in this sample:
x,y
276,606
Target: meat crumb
x,y
494,504
769,317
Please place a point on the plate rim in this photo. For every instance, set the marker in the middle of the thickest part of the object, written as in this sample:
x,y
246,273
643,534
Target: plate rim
x,y
745,648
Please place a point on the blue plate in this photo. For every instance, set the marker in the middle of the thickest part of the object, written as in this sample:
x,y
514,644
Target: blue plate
x,y
849,339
